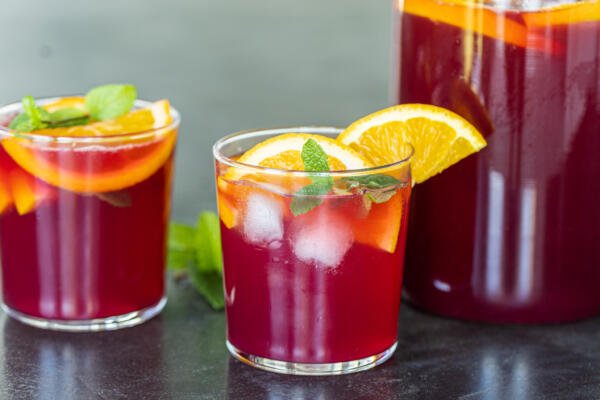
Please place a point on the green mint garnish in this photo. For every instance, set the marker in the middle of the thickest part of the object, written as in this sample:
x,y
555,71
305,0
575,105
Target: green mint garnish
x,y
101,103
196,252
315,160
110,101
373,181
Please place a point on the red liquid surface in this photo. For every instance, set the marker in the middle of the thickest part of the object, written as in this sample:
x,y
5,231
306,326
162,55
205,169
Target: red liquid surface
x,y
283,305
511,234
81,256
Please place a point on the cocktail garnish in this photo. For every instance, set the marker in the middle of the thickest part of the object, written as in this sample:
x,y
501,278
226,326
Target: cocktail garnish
x,y
315,160
376,188
196,251
101,103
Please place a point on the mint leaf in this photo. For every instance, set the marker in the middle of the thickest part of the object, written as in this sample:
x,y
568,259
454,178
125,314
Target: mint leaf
x,y
315,160
210,286
181,246
207,276
65,114
66,117
197,251
21,123
35,113
32,117
373,181
379,196
208,242
314,157
110,101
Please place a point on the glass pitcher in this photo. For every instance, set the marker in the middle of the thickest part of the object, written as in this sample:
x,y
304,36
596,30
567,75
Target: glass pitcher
x,y
511,234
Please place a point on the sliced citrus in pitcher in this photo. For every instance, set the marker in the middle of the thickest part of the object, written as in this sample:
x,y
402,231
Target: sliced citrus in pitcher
x,y
440,138
92,166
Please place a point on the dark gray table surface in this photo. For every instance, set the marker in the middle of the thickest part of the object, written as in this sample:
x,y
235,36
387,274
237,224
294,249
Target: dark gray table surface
x,y
181,355
231,65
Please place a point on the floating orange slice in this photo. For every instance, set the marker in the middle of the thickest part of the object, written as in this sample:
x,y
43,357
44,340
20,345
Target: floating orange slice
x,y
20,189
99,167
26,192
381,227
472,17
5,195
565,14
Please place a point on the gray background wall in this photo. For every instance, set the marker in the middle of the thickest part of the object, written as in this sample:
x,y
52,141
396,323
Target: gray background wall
x,y
226,65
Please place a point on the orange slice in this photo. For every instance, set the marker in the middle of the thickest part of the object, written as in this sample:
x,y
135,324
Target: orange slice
x,y
99,168
25,193
565,14
5,195
281,152
440,138
381,227
65,102
157,115
476,18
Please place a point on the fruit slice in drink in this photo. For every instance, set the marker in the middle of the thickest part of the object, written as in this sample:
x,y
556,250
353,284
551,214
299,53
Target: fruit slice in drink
x,y
440,137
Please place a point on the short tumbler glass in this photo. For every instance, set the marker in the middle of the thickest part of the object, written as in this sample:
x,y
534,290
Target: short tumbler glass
x,y
312,283
83,225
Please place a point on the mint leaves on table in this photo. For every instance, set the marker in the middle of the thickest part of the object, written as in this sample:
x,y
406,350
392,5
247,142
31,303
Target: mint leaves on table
x,y
101,103
315,160
195,251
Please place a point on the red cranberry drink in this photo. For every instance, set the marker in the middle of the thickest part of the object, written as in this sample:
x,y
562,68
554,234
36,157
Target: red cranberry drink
x,y
84,202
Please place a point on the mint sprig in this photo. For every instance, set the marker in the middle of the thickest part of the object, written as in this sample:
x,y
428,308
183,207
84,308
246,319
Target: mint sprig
x,y
101,103
110,101
314,159
195,251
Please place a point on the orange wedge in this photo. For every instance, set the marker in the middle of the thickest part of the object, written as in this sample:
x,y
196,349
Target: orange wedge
x,y
99,168
283,152
5,195
440,138
25,191
381,227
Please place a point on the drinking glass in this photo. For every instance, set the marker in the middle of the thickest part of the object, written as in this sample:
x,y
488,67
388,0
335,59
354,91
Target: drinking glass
x,y
83,224
312,292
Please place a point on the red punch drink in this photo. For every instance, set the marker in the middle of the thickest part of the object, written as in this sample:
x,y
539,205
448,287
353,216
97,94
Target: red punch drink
x,y
312,279
83,218
512,234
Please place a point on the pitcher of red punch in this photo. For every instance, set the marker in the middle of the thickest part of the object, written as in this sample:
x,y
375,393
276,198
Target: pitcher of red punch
x,y
513,233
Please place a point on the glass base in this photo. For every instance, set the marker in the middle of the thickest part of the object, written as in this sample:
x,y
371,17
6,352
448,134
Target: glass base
x,y
89,325
293,368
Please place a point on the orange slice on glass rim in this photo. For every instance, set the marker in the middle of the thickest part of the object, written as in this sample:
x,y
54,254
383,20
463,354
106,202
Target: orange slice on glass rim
x,y
94,167
439,137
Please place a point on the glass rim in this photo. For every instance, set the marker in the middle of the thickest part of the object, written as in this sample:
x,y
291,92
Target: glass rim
x,y
317,129
17,106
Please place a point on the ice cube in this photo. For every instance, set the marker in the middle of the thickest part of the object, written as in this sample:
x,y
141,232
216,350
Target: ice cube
x,y
322,240
262,222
